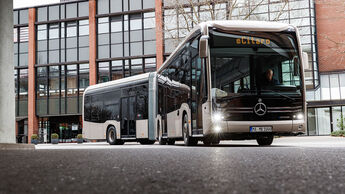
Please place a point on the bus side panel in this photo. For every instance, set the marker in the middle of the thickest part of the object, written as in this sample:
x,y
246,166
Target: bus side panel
x,y
93,130
171,118
142,129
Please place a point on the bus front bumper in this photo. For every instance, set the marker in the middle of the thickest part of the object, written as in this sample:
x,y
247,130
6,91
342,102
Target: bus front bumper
x,y
285,127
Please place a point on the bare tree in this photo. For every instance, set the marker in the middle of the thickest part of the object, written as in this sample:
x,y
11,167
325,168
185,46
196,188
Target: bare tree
x,y
182,15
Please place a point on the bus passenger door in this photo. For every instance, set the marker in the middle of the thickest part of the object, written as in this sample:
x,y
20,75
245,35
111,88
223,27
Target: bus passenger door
x,y
199,94
128,117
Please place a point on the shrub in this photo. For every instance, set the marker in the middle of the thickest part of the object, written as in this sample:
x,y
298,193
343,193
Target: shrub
x,y
34,136
80,136
341,122
55,136
340,133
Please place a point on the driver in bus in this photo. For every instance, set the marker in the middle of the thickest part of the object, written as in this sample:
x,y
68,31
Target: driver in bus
x,y
269,79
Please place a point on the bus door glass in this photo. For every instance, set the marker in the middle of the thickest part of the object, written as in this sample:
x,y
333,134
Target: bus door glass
x,y
128,105
198,93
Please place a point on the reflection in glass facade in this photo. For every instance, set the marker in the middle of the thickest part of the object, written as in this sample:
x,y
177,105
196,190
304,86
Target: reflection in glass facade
x,y
126,43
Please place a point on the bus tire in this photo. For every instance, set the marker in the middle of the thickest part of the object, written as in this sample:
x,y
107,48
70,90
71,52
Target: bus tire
x,y
265,141
188,141
171,142
111,136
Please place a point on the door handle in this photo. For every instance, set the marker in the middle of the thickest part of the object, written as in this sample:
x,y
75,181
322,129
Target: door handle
x,y
178,112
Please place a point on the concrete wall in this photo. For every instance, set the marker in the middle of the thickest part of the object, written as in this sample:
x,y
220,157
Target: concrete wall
x,y
7,95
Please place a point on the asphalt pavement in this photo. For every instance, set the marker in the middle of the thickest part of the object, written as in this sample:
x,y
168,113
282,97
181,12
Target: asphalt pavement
x,y
290,165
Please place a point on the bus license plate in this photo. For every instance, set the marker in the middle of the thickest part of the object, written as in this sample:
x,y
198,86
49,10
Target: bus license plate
x,y
260,129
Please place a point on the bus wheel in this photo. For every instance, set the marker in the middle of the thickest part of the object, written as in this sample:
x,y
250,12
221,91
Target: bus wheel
x,y
111,136
265,141
171,142
188,141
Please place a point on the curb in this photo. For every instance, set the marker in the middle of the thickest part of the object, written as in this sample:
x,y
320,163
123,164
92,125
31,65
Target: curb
x,y
13,146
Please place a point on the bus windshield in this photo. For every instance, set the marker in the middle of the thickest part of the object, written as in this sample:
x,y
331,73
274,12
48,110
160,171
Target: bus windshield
x,y
254,63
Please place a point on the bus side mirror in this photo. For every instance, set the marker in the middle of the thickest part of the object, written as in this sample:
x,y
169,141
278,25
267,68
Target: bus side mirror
x,y
203,45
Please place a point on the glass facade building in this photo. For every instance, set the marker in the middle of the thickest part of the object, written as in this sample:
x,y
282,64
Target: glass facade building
x,y
79,43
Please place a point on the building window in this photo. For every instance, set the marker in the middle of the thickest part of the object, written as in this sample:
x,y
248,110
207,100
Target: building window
x,y
83,77
103,72
72,88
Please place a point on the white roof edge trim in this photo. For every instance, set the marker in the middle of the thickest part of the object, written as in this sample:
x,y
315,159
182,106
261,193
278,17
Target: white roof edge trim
x,y
247,25
119,81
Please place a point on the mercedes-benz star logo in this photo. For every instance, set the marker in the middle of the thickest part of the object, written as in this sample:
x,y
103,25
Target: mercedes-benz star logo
x,y
260,108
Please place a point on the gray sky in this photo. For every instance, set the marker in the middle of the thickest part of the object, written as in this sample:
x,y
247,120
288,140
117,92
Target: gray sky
x,y
30,3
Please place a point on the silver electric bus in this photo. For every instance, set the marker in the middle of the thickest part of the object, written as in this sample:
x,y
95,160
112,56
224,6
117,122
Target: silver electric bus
x,y
232,80
117,111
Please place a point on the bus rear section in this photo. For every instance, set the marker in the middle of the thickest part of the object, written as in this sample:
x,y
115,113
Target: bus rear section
x,y
117,111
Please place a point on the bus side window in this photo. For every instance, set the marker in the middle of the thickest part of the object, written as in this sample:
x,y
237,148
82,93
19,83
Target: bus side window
x,y
87,108
96,108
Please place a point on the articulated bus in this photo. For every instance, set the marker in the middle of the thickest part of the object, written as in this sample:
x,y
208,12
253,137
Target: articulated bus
x,y
117,111
232,80
228,80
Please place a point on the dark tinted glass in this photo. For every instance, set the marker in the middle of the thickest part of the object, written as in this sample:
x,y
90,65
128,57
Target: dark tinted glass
x,y
142,102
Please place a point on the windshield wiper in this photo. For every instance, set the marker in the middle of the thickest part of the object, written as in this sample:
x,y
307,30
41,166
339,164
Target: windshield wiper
x,y
280,94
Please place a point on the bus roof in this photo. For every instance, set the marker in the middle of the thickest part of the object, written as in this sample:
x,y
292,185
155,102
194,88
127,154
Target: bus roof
x,y
246,25
232,25
127,80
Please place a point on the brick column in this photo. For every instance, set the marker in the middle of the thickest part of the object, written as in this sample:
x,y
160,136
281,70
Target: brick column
x,y
92,40
159,33
32,118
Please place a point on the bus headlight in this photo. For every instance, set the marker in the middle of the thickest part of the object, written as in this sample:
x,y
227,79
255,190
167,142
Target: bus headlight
x,y
217,117
299,116
217,129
